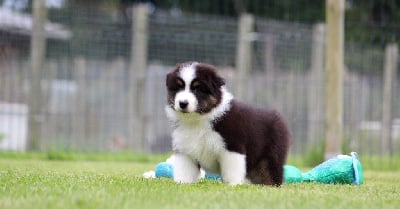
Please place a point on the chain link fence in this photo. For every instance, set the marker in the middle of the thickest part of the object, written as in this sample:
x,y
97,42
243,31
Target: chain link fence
x,y
86,81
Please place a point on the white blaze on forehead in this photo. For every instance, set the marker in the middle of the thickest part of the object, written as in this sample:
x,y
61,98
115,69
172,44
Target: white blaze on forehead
x,y
187,73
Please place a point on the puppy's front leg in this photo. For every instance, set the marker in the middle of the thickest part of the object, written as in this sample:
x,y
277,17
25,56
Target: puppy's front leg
x,y
233,167
185,169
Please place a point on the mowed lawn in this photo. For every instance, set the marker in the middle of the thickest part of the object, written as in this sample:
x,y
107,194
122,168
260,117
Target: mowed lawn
x,y
43,184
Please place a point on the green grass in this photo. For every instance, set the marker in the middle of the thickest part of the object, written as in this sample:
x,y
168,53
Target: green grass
x,y
125,156
40,183
376,163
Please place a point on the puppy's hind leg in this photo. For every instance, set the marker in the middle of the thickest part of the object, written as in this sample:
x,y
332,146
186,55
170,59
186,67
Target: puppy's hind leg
x,y
275,169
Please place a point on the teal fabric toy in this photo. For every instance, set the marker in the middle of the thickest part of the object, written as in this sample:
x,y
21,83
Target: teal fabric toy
x,y
292,174
164,169
343,169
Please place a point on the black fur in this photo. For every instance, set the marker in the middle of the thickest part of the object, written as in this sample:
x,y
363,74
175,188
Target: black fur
x,y
261,135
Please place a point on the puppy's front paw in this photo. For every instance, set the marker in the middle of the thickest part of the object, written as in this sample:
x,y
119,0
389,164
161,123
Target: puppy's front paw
x,y
233,181
184,180
185,169
185,177
149,175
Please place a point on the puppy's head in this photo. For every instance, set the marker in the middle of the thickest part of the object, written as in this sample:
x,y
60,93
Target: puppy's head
x,y
194,88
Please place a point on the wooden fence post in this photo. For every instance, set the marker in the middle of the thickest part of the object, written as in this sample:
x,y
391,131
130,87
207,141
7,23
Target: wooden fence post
x,y
334,77
315,86
390,67
244,53
38,52
138,64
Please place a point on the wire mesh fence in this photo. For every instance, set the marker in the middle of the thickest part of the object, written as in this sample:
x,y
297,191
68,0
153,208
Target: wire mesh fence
x,y
86,85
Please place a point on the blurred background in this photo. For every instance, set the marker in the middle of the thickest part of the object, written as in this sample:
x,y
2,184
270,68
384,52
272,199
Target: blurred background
x,y
89,75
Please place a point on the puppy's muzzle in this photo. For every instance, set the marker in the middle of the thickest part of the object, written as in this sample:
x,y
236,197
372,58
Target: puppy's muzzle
x,y
183,104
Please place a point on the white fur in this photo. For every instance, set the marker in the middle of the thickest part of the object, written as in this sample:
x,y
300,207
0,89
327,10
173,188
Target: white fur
x,y
221,109
217,112
188,96
195,142
199,142
149,175
187,73
233,168
185,169
172,160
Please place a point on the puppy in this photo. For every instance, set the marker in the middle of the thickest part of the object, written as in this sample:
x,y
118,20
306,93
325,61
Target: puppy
x,y
219,134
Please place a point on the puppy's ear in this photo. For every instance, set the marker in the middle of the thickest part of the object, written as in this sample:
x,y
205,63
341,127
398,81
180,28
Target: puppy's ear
x,y
168,78
210,72
171,74
218,81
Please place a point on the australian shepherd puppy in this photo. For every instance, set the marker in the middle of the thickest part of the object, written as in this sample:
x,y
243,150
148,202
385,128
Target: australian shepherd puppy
x,y
219,134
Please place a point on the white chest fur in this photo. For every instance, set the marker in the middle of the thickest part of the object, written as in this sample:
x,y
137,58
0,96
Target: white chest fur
x,y
201,143
195,142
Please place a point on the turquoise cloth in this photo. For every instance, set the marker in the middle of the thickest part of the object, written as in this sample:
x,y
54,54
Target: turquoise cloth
x,y
343,169
292,174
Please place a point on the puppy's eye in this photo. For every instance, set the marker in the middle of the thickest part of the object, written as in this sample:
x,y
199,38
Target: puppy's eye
x,y
197,87
195,90
177,85
180,84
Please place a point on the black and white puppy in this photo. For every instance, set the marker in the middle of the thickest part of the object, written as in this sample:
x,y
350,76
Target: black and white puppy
x,y
215,132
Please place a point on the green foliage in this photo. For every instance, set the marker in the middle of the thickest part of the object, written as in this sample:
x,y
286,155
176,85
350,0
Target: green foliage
x,y
79,184
315,154
346,146
300,10
380,163
364,59
69,155
372,21
120,156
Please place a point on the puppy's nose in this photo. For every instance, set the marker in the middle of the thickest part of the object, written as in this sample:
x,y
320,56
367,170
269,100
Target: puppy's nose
x,y
183,104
